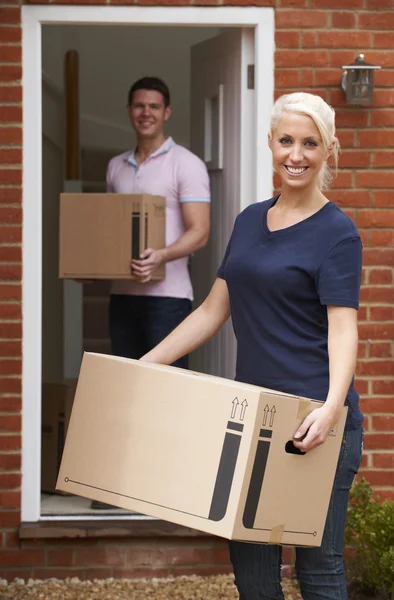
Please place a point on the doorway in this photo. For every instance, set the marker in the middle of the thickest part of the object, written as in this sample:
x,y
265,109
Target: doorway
x,y
260,23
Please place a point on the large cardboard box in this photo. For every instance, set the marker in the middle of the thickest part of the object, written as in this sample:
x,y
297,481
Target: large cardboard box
x,y
57,401
197,450
101,233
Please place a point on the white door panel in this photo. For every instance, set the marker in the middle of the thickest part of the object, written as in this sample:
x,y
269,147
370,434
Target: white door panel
x,y
222,135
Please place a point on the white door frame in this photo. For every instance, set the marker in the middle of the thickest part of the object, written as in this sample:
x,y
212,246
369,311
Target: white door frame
x,y
33,17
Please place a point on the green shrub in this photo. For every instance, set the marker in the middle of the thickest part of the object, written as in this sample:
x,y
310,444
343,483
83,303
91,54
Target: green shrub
x,y
369,540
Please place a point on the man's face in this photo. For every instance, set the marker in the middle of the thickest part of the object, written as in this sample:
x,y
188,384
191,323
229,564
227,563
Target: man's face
x,y
148,114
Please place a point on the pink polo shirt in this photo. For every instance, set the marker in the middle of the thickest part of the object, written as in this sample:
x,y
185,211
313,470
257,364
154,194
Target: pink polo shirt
x,y
179,175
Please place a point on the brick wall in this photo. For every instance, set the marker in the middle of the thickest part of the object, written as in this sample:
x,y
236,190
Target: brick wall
x,y
314,38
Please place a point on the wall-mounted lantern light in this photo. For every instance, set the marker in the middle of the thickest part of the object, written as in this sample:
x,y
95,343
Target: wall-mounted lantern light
x,y
357,81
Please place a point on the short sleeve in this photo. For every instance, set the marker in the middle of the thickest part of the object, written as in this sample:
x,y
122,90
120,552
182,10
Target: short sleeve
x,y
110,185
193,181
339,276
222,268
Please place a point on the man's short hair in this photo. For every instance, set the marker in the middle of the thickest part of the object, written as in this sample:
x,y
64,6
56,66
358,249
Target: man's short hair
x,y
150,83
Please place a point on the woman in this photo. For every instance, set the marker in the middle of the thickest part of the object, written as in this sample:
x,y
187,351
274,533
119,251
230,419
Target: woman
x,y
290,280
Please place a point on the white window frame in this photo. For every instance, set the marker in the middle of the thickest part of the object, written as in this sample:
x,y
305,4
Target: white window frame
x,y
33,17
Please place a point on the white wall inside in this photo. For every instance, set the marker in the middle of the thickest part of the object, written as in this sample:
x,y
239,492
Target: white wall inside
x,y
111,59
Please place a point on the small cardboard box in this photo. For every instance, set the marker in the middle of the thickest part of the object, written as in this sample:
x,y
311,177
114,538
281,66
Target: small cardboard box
x,y
197,450
101,233
57,401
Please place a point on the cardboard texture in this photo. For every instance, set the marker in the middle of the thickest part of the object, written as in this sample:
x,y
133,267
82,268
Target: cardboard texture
x,y
100,233
197,450
57,401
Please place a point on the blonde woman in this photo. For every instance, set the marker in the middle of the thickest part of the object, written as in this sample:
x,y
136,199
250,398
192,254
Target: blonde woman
x,y
290,281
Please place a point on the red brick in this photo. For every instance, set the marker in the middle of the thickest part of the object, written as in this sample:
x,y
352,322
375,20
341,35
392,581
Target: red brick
x,y
138,572
9,114
383,461
10,442
10,461
10,292
287,39
10,272
307,78
383,98
383,39
10,348
10,385
11,93
376,20
10,480
9,519
10,214
380,4
382,313
374,367
378,441
361,386
11,538
60,558
383,117
19,558
376,217
385,198
383,423
361,351
346,198
340,58
186,556
343,180
10,196
354,119
375,138
344,20
380,350
300,19
377,331
10,234
355,158
99,557
377,294
337,3
59,573
221,555
362,313
11,423
309,39
10,54
10,16
344,39
10,310
10,254
299,3
383,386
301,58
379,477
383,159
326,77
10,135
9,73
11,35
346,138
377,405
10,156
382,237
11,176
286,78
10,499
10,404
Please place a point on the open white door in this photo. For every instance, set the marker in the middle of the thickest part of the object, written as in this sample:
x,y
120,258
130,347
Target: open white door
x,y
223,135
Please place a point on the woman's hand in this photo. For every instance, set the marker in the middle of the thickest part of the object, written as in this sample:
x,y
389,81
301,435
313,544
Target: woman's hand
x,y
314,430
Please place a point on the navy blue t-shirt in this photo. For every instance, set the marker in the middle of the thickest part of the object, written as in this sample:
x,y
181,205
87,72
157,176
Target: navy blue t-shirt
x,y
280,283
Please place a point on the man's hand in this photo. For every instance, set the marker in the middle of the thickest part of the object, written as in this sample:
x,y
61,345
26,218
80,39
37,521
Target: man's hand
x,y
315,428
144,268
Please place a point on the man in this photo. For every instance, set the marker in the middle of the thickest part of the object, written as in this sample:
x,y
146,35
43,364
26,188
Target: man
x,y
143,312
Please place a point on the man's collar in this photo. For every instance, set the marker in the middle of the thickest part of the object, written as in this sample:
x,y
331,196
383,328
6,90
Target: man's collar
x,y
165,147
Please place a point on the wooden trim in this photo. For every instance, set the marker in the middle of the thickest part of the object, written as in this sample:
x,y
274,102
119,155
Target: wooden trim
x,y
102,529
72,115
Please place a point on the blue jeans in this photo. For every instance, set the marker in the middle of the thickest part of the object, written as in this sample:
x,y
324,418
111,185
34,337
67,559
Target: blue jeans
x,y
138,323
320,570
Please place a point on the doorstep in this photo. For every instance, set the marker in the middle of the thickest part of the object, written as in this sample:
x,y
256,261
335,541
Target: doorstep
x,y
103,529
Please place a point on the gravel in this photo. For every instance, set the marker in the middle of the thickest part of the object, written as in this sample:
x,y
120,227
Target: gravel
x,y
219,587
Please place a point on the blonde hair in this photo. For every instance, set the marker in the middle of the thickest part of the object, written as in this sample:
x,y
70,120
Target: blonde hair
x,y
324,118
